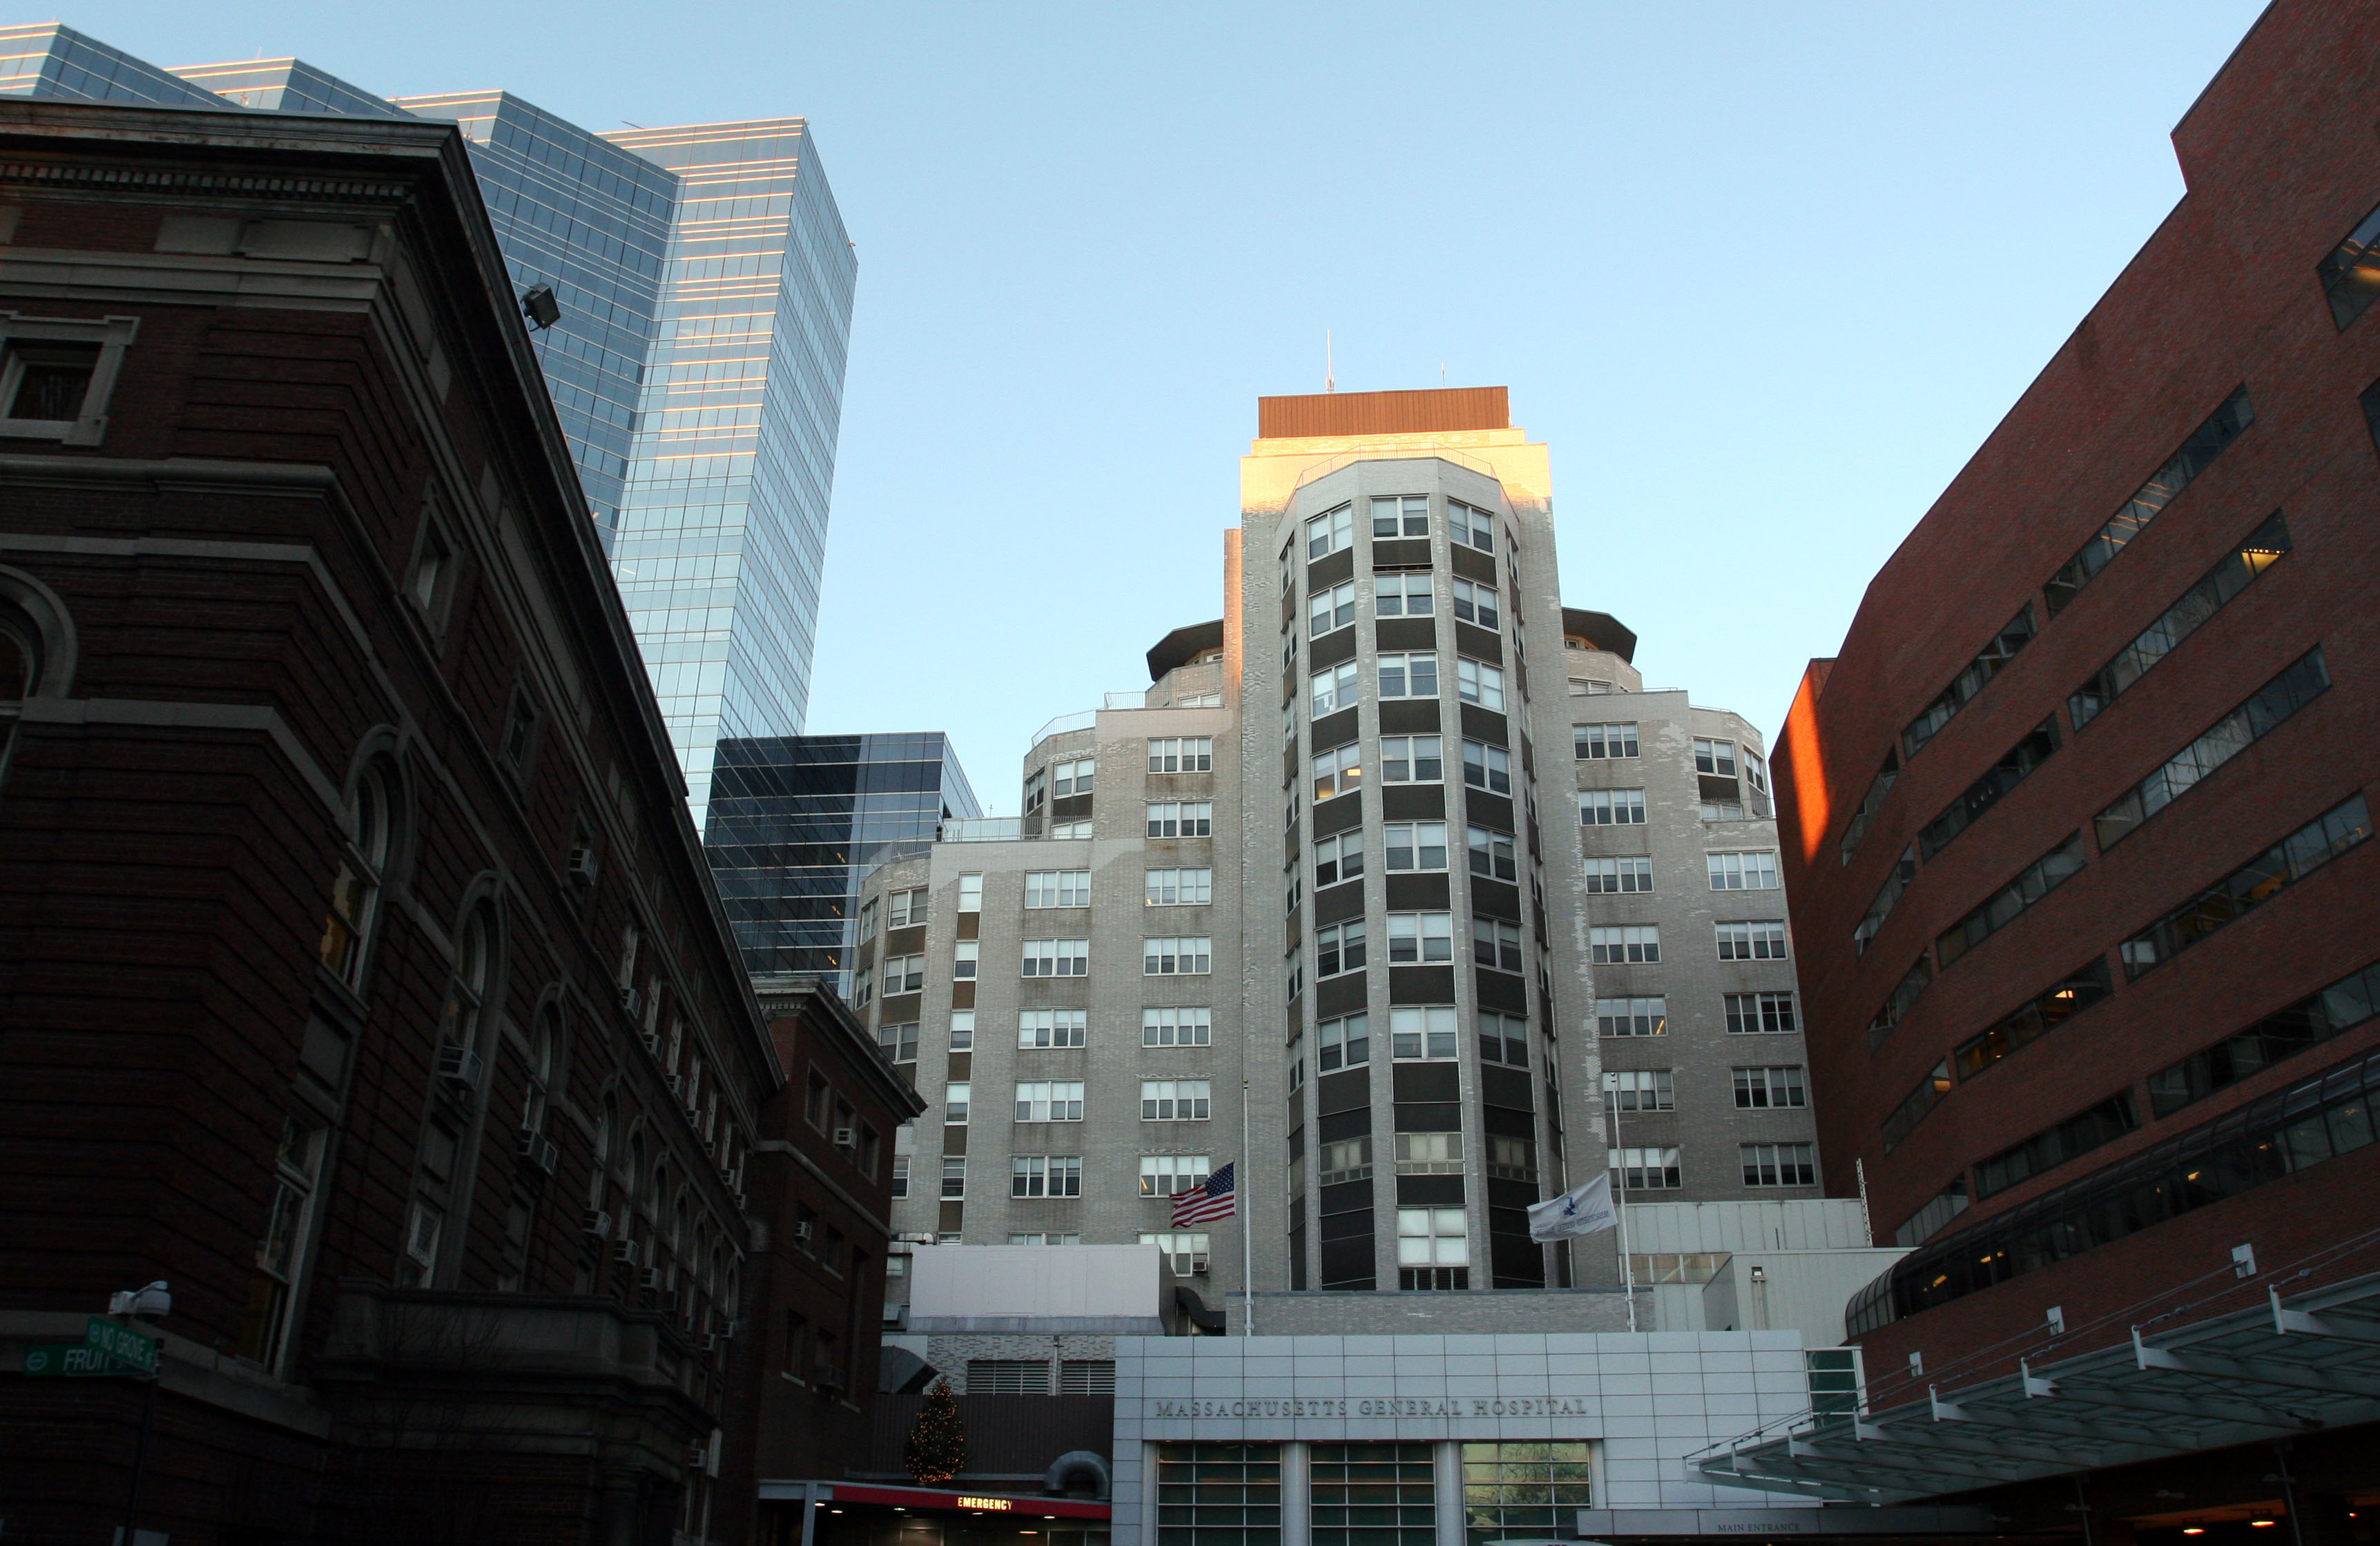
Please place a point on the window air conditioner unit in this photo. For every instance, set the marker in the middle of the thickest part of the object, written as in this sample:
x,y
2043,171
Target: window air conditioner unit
x,y
525,1142
631,1000
712,1342
624,1249
548,1155
727,1176
652,1041
847,1137
458,1068
711,1147
595,1221
581,869
678,1084
802,1230
894,1314
649,1277
729,1331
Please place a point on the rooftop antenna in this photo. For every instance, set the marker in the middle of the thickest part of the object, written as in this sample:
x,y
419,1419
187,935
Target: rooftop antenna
x,y
1441,375
1330,381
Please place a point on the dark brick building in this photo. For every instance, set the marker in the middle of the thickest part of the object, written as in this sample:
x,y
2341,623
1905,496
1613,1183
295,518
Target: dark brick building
x,y
360,974
2076,825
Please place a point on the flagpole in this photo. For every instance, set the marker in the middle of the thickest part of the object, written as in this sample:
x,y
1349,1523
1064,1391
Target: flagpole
x,y
1246,1200
1627,1263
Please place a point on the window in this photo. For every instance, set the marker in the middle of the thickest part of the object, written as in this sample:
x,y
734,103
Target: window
x,y
955,1176
1762,941
1346,1160
1769,1089
355,890
1416,845
1330,532
1778,1164
1421,937
1503,1038
903,909
2042,1014
1715,757
1220,1494
466,988
1339,858
1182,754
900,1182
2267,709
1293,970
1330,610
1629,944
1177,1027
56,376
962,1030
1040,1029
2294,1029
1045,1175
1406,595
904,974
1180,819
2225,424
1045,1237
1072,778
1618,876
1050,1101
1427,1237
2350,272
1411,759
1947,1204
1597,742
1185,956
1404,515
1346,1042
1186,1254
1645,1170
866,921
1477,682
1036,790
1929,1093
1375,1495
899,1041
1476,604
965,956
1179,888
1057,888
1524,1491
1904,998
1424,1034
1631,1016
1471,527
1589,686
1755,871
2283,864
1611,807
1641,1090
1174,1099
955,1101
1856,828
1722,811
2013,636
1409,676
2011,769
1760,1013
1487,767
970,893
1168,1174
46,382
2003,908
1057,958
1338,947
1339,771
1332,690
1496,944
281,1254
1429,1153
2260,551
1492,855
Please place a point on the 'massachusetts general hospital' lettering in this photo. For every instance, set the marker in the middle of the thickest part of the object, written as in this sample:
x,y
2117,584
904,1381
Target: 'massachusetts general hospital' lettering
x,y
1451,1406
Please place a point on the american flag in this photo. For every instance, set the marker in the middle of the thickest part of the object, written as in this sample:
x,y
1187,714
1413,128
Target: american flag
x,y
1204,1203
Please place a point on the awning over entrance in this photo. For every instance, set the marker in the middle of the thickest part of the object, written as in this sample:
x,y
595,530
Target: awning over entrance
x,y
2291,1367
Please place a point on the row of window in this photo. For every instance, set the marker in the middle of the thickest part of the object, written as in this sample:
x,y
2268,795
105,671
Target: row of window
x,y
1415,939
1044,1029
1762,1164
1418,1033
1747,1014
1409,594
1640,943
1062,1101
1398,515
1415,846
1775,1087
1403,676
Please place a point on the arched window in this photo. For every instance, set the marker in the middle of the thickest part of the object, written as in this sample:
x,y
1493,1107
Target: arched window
x,y
354,891
607,1125
543,1040
467,991
20,669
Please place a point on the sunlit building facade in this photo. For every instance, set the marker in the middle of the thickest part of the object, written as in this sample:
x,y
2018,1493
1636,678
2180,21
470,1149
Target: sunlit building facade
x,y
705,285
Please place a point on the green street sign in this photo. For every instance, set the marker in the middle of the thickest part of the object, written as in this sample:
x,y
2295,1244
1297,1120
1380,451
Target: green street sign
x,y
56,1359
125,1346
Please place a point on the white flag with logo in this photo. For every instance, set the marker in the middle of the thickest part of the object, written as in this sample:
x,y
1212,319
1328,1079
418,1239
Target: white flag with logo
x,y
1582,1210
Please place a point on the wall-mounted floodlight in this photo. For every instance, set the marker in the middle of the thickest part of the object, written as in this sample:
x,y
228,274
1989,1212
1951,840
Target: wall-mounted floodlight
x,y
155,1299
540,307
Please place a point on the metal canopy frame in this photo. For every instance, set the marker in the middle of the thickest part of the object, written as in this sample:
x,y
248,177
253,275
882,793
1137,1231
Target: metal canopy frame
x,y
2285,1368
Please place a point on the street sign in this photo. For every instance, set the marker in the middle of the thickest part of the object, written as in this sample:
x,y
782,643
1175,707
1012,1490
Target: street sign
x,y
123,1345
54,1358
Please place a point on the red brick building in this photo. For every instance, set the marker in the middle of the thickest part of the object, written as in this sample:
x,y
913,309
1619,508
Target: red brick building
x,y
361,973
2076,825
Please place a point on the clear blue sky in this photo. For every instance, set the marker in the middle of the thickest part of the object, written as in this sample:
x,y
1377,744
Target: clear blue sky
x,y
1763,276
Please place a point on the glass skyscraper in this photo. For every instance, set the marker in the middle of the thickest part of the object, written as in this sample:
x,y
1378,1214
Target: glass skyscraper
x,y
796,823
705,283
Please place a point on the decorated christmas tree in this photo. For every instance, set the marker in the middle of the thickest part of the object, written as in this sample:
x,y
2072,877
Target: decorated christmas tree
x,y
938,1439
